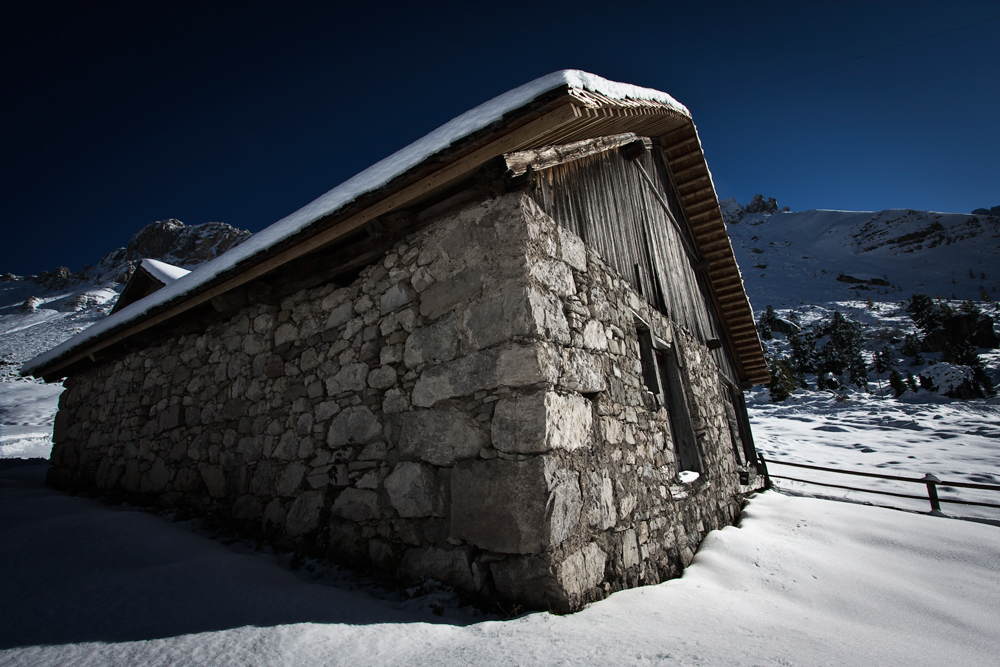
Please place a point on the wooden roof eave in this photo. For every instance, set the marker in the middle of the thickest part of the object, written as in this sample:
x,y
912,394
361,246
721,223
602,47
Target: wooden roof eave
x,y
683,153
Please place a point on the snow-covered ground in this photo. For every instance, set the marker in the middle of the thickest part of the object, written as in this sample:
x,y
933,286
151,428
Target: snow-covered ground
x,y
800,582
27,411
955,441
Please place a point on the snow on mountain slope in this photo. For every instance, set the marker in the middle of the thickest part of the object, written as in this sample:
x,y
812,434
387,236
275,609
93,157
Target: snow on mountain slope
x,y
817,256
34,318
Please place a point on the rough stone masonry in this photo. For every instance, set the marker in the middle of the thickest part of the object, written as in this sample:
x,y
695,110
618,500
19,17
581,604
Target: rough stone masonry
x,y
470,409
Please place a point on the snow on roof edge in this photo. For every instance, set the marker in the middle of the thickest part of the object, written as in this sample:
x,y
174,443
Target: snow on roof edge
x,y
165,273
373,177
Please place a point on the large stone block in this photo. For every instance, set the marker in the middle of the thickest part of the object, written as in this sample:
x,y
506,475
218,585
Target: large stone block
x,y
580,572
518,507
541,421
352,377
582,371
572,249
440,437
544,582
513,365
340,315
444,295
214,478
548,316
356,505
553,274
303,516
290,479
395,297
630,549
431,344
452,566
354,426
156,479
286,333
382,377
414,491
601,510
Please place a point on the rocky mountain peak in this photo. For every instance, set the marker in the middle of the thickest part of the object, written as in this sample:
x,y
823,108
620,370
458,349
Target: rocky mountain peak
x,y
185,245
733,211
994,211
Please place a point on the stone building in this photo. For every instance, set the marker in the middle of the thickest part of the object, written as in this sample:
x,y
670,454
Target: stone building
x,y
508,357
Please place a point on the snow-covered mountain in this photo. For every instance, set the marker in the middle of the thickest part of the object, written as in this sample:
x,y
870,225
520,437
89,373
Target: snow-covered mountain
x,y
38,312
815,256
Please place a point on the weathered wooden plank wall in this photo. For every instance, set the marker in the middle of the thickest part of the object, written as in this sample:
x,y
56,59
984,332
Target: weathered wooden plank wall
x,y
606,201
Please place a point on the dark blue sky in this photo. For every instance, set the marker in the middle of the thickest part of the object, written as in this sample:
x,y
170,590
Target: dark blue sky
x,y
119,114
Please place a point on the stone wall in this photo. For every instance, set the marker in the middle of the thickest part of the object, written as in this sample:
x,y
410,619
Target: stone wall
x,y
469,409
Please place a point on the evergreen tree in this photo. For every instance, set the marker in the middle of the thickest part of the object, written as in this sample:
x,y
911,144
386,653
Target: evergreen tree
x,y
962,353
765,322
885,360
970,308
897,383
927,314
842,352
804,357
782,383
911,348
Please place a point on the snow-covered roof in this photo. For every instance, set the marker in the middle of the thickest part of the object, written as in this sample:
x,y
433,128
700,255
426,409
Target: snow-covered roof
x,y
165,273
624,107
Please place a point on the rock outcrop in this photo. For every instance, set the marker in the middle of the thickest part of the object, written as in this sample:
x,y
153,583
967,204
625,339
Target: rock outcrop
x,y
994,211
733,211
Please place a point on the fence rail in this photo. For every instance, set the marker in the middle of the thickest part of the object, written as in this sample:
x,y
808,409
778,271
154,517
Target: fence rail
x,y
930,481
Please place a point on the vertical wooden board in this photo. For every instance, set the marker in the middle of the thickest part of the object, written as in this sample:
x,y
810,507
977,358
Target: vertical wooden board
x,y
606,201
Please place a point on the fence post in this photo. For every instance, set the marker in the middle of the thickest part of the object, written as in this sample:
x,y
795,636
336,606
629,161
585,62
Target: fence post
x,y
932,483
762,468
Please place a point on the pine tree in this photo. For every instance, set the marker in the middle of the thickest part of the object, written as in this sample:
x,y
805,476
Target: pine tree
x,y
897,383
765,322
885,360
804,357
782,382
911,348
927,315
962,353
842,353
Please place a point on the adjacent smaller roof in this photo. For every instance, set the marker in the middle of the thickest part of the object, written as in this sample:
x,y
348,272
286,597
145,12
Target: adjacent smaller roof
x,y
165,273
150,276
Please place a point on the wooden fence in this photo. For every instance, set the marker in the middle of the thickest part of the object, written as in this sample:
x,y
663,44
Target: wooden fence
x,y
931,482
